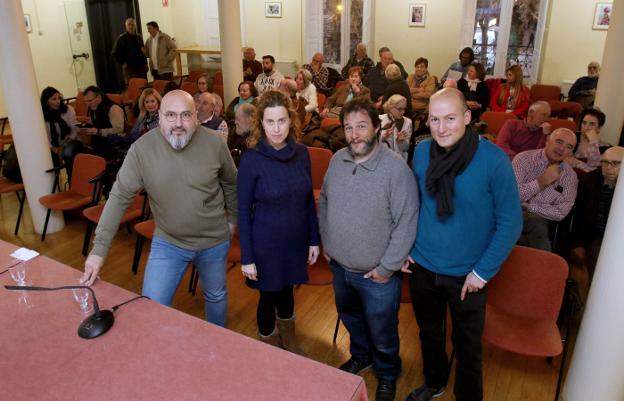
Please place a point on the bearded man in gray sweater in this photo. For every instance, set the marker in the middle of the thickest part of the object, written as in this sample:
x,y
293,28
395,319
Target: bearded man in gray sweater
x,y
368,210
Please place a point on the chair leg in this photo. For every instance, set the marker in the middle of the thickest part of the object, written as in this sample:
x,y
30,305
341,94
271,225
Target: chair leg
x,y
138,249
21,209
566,342
45,225
87,238
336,329
128,228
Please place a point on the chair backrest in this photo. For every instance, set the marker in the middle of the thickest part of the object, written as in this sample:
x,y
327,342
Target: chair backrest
x,y
495,120
190,87
86,167
544,92
116,98
79,105
329,122
340,84
194,75
218,89
319,162
159,85
218,78
135,87
146,228
561,123
565,110
530,284
320,99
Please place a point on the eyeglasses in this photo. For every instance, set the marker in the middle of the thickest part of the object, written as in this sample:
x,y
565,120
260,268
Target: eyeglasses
x,y
172,116
610,163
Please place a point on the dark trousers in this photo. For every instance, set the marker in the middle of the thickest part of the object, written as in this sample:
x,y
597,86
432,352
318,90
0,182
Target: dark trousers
x,y
165,76
431,293
130,71
369,311
282,301
535,231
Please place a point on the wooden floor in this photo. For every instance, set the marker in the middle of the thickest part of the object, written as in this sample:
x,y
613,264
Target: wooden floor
x,y
507,377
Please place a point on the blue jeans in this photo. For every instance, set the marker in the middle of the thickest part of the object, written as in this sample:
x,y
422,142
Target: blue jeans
x,y
167,264
369,311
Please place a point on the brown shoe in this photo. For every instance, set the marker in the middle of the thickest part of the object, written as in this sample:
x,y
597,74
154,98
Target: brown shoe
x,y
272,339
286,329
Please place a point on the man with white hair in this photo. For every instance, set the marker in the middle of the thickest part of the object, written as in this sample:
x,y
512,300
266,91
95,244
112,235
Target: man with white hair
x,y
320,73
584,89
207,116
190,179
359,59
516,136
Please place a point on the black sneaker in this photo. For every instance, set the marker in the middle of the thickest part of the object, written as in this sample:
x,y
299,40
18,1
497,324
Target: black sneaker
x,y
355,366
424,393
386,390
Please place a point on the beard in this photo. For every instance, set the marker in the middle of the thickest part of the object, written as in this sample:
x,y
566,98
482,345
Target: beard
x,y
369,146
178,141
266,71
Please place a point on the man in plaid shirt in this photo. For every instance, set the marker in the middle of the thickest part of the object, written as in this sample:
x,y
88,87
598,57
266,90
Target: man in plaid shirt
x,y
547,187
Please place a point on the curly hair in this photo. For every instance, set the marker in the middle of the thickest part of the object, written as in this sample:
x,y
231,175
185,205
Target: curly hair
x,y
268,99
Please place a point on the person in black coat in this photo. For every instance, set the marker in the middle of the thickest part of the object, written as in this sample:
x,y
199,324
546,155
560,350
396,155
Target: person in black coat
x,y
397,86
128,51
475,90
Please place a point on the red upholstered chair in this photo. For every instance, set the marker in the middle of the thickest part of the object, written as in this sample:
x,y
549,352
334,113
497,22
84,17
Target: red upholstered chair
x,y
319,161
320,99
7,186
495,120
144,229
194,75
218,89
189,86
159,85
80,107
560,123
544,92
138,209
340,84
82,190
329,122
523,303
565,110
218,78
135,87
116,98
4,139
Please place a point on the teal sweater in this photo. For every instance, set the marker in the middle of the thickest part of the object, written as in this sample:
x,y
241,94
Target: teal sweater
x,y
486,223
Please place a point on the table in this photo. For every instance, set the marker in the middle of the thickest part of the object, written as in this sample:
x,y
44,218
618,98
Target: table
x,y
151,353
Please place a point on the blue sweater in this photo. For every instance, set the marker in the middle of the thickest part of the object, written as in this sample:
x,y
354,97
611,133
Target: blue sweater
x,y
277,217
486,223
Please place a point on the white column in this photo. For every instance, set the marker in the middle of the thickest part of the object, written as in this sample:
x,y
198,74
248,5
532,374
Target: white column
x,y
598,361
24,110
231,48
609,94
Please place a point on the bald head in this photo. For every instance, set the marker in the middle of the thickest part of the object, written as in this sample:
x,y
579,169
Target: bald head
x,y
450,83
450,95
178,118
288,86
249,54
448,117
610,164
178,96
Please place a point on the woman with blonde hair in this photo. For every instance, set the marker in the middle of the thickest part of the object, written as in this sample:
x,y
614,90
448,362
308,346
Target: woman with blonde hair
x,y
306,90
396,129
277,217
512,96
149,104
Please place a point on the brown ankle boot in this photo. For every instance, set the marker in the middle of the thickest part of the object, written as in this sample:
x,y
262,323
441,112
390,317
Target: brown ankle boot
x,y
272,339
286,329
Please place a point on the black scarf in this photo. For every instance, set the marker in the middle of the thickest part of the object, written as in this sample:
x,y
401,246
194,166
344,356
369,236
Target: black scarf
x,y
444,166
53,117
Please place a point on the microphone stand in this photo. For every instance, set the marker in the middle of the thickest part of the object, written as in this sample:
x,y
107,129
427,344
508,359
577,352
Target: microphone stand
x,y
93,326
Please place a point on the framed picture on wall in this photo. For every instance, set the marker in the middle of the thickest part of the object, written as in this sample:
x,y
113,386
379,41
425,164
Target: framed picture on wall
x,y
273,9
417,15
27,23
602,15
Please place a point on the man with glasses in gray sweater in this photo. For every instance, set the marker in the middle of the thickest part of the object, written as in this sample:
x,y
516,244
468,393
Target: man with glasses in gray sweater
x,y
368,210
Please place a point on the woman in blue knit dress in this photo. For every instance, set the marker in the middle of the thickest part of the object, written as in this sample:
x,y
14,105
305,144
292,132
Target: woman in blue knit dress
x,y
277,217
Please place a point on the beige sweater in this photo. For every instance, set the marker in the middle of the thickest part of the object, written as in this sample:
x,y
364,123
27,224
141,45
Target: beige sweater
x,y
189,190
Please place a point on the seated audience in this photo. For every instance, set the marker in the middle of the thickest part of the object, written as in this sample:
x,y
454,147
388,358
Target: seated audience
x,y
421,85
475,90
396,129
547,187
106,116
516,136
207,116
359,59
595,193
270,77
394,61
61,127
247,93
320,73
512,96
149,104
237,138
307,90
251,67
584,89
458,69
218,104
397,86
288,87
202,86
354,89
375,78
587,153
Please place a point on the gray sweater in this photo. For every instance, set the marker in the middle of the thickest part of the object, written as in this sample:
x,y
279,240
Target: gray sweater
x,y
368,211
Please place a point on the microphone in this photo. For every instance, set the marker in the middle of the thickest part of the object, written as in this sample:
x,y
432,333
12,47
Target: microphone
x,y
93,326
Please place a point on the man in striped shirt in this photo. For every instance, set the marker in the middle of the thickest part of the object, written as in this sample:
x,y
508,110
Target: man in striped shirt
x,y
547,187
